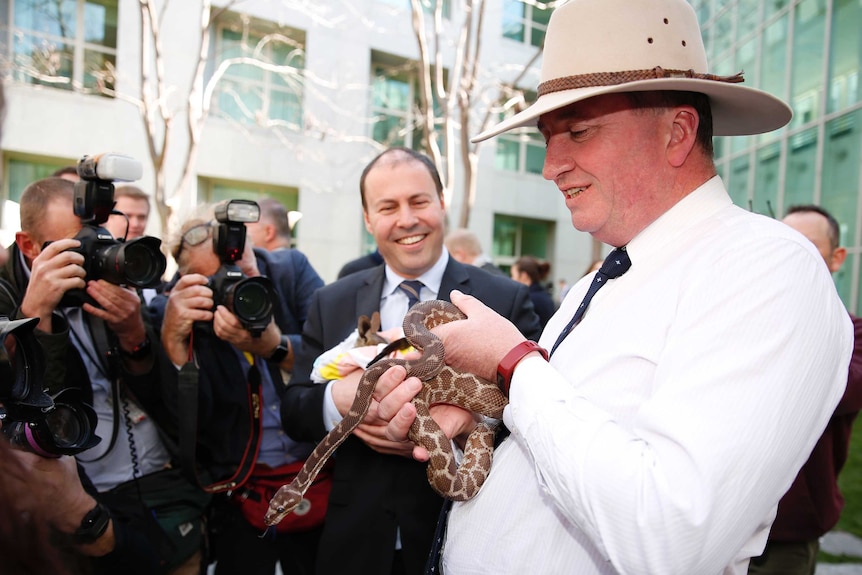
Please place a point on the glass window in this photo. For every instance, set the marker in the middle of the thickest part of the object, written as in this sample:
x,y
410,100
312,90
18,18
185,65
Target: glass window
x,y
766,171
213,191
395,102
748,17
773,7
18,173
393,91
253,94
427,5
800,178
722,33
68,44
845,60
515,237
737,182
526,22
773,60
842,150
22,172
807,62
521,150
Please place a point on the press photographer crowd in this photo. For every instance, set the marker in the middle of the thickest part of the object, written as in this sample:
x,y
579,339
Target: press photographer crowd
x,y
685,409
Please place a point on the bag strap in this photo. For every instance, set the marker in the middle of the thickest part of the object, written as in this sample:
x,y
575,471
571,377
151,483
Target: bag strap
x,y
188,408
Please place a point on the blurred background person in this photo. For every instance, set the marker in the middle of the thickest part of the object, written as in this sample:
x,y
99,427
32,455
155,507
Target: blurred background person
x,y
464,246
813,504
135,203
67,173
532,273
272,231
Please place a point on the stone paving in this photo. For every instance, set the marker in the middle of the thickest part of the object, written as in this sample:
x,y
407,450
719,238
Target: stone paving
x,y
839,543
834,543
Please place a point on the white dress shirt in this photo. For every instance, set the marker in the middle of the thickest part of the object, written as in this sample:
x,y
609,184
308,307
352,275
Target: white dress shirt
x,y
669,423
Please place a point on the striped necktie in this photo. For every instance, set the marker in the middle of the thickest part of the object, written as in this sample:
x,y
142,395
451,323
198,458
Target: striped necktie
x,y
412,289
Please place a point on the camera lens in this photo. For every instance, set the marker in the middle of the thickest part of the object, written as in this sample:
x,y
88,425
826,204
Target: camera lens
x,y
137,262
67,427
140,265
252,300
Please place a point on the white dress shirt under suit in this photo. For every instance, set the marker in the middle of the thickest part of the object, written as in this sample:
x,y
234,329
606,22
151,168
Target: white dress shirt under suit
x,y
668,424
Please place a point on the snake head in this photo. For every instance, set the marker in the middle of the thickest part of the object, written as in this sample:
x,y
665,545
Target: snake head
x,y
283,502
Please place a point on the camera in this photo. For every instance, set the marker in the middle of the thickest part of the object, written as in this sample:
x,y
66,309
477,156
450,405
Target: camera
x,y
250,299
33,420
139,262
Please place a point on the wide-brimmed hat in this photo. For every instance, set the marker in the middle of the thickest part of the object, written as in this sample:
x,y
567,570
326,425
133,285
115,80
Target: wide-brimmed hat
x,y
595,47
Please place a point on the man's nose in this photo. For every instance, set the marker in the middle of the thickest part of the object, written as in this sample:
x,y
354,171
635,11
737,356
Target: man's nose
x,y
557,159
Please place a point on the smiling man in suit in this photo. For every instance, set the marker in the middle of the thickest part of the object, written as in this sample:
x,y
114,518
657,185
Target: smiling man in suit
x,y
382,512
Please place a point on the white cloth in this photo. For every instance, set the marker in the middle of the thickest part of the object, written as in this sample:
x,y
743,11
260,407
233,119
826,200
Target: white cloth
x,y
393,308
672,419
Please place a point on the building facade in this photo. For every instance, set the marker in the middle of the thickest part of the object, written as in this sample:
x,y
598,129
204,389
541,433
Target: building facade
x,y
292,99
301,96
809,53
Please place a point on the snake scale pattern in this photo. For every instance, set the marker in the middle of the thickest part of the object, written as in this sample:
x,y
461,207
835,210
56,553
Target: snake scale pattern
x,y
441,384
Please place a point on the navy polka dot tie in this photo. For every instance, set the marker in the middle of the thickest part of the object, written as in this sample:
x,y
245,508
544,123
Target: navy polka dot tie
x,y
616,264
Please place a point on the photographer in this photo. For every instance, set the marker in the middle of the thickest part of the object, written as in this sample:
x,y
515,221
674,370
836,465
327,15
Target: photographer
x,y
231,362
105,351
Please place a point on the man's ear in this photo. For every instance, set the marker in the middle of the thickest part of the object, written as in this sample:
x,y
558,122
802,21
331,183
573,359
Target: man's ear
x,y
28,245
837,260
683,135
368,227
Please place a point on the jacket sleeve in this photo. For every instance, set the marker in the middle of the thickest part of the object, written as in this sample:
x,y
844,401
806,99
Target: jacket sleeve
x,y
851,402
524,315
302,402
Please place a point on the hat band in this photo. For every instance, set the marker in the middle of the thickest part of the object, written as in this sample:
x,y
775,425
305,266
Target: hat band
x,y
615,78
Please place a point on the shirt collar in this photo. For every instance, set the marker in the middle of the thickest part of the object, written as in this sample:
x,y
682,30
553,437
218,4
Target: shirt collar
x,y
431,278
707,199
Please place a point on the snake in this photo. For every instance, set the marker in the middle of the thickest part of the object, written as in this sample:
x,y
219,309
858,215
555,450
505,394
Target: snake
x,y
440,384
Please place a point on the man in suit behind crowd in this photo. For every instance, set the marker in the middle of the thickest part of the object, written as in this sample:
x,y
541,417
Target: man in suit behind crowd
x,y
382,512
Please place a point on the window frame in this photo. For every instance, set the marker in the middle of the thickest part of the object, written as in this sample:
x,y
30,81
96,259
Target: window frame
x,y
77,81
264,87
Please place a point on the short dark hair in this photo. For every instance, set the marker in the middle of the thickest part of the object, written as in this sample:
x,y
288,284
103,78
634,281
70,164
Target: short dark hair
x,y
276,213
133,192
60,172
36,197
537,270
397,155
834,228
671,98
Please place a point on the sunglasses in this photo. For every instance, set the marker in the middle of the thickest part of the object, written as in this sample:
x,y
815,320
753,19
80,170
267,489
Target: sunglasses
x,y
194,236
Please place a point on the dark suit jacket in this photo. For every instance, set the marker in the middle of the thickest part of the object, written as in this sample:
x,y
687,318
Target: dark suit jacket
x,y
373,494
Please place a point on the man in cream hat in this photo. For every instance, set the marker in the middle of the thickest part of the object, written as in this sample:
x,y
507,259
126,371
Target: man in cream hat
x,y
676,409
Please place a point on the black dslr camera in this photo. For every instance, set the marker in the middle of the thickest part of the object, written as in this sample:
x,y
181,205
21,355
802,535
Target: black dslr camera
x,y
33,420
138,262
250,299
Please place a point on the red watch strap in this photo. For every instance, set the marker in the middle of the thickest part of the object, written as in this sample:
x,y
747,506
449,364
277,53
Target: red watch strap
x,y
507,366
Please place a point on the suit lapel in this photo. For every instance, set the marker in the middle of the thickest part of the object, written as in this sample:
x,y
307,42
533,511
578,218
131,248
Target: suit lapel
x,y
369,293
455,277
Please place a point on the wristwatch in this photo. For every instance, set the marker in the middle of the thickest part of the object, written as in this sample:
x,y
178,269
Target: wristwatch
x,y
281,350
507,366
93,525
140,351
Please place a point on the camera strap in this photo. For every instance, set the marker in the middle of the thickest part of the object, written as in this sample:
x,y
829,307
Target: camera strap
x,y
105,362
188,407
